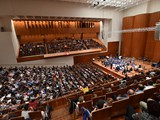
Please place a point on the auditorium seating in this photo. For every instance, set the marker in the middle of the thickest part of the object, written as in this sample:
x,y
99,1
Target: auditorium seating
x,y
87,105
135,99
36,115
102,114
17,118
119,107
57,46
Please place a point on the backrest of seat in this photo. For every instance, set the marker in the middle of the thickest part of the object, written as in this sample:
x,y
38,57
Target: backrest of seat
x,y
102,114
149,93
119,107
16,113
36,115
17,118
111,94
99,93
135,99
87,97
122,91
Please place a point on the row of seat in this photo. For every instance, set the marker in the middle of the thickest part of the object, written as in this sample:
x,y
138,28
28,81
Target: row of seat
x,y
118,107
57,46
35,115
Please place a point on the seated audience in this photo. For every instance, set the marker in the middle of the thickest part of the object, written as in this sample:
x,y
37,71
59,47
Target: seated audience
x,y
139,89
149,85
123,96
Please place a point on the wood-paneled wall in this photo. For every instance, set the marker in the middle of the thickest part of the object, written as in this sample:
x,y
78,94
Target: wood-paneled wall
x,y
152,50
112,50
34,31
126,43
140,44
139,38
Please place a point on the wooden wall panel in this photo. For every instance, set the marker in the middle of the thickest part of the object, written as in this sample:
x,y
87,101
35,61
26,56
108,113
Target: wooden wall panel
x,y
141,44
156,53
151,49
127,37
139,38
138,44
112,50
43,27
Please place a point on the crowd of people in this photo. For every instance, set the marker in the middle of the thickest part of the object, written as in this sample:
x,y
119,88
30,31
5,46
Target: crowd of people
x,y
150,109
20,85
28,49
57,46
119,63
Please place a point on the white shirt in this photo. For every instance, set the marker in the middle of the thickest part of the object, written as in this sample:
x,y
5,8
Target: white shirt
x,y
25,114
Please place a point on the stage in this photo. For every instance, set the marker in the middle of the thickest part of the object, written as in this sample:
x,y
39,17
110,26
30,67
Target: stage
x,y
146,66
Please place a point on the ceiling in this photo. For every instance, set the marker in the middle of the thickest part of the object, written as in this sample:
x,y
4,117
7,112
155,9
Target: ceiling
x,y
118,4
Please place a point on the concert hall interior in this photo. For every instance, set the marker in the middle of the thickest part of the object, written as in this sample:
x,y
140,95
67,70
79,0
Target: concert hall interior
x,y
79,59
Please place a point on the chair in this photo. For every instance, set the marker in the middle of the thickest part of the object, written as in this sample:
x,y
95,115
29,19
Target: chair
x,y
111,94
119,107
99,93
102,114
87,97
16,113
17,118
149,93
157,86
135,99
94,100
132,86
115,88
121,91
36,115
41,108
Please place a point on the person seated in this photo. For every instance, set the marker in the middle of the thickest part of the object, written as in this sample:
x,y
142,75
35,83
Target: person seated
x,y
109,101
122,84
152,112
123,96
100,104
25,112
149,85
84,89
80,100
109,89
33,103
157,82
139,89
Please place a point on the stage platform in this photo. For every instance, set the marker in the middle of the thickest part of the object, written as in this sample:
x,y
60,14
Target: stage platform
x,y
145,65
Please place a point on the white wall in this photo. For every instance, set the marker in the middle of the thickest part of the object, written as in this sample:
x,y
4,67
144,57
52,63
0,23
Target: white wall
x,y
51,8
7,55
61,61
10,8
148,7
154,6
5,22
140,9
14,39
